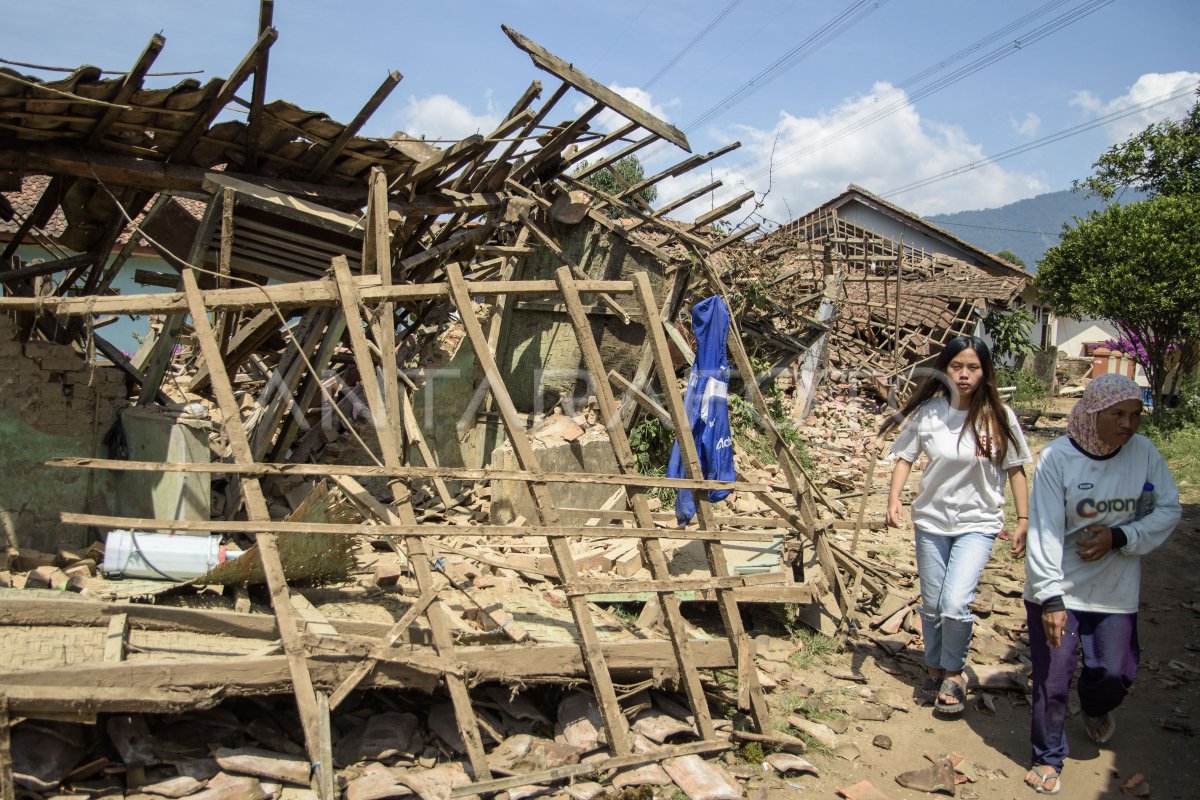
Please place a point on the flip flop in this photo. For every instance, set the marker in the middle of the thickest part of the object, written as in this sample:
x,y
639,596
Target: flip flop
x,y
1042,778
1093,725
956,689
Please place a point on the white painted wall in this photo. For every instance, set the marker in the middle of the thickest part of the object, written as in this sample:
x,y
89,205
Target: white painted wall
x,y
1070,335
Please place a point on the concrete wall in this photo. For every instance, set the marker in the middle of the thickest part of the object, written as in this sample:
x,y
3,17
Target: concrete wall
x,y
590,453
52,404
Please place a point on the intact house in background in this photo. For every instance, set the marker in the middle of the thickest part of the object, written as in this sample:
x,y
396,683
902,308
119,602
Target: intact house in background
x,y
1069,338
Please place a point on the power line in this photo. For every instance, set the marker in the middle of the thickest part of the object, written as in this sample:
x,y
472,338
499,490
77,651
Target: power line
x,y
613,42
695,41
992,228
848,18
987,59
1074,130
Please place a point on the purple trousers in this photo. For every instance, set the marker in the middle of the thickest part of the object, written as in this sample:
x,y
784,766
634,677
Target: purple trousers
x,y
1110,659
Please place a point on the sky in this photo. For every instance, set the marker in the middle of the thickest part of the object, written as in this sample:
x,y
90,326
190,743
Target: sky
x,y
886,94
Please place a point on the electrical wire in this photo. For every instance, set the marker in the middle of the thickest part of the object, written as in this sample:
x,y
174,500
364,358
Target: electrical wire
x,y
613,42
1074,130
102,72
987,59
842,22
695,41
970,68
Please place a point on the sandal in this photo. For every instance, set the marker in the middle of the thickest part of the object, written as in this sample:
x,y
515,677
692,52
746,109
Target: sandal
x,y
955,688
926,693
1040,779
1100,729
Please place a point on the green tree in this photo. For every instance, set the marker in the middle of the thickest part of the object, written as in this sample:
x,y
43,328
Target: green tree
x,y
1137,266
1009,332
1012,258
1164,159
628,171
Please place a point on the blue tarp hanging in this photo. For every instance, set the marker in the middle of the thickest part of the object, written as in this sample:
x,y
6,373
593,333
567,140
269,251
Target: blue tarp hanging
x,y
707,406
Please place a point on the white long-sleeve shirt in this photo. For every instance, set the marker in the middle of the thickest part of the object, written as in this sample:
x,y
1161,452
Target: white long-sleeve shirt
x,y
1072,490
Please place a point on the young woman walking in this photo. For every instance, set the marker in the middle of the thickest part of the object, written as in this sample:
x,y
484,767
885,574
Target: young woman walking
x,y
973,443
1102,498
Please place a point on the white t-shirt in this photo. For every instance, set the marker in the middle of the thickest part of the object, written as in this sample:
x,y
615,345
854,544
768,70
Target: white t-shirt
x,y
960,492
1072,490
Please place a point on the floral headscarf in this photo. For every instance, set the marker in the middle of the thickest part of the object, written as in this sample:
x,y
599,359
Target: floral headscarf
x,y
1103,392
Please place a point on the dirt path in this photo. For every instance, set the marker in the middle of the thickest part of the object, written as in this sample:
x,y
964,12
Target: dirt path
x,y
996,745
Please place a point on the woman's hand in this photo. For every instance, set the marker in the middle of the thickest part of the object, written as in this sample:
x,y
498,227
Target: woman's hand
x,y
895,513
1094,542
1017,538
1054,623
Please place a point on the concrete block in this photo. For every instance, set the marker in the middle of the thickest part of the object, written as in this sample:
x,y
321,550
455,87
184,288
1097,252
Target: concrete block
x,y
589,453
63,362
46,349
47,578
153,436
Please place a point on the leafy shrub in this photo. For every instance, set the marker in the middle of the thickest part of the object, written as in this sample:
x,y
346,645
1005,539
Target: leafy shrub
x,y
1030,393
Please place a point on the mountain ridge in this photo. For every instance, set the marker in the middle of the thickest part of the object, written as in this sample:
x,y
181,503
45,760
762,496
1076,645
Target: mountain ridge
x,y
1027,227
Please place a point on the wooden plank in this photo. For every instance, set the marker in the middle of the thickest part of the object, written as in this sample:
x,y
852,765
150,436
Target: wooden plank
x,y
464,714
46,267
155,368
398,631
672,584
224,266
191,137
152,176
130,84
497,170
679,201
644,400
652,548
258,94
355,125
45,207
250,336
300,294
750,690
324,777
559,142
407,529
114,640
721,210
8,789
358,470
676,170
615,724
256,510
551,63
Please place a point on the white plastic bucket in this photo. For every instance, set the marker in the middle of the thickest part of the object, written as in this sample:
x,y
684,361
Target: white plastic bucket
x,y
163,556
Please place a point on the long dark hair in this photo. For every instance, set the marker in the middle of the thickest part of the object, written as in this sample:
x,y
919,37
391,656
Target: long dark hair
x,y
986,414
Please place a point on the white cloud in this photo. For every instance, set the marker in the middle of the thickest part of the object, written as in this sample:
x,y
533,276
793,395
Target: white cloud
x,y
1147,88
441,117
815,158
609,120
1027,127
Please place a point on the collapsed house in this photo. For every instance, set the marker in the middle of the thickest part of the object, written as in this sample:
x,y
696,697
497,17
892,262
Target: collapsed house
x,y
292,316
380,356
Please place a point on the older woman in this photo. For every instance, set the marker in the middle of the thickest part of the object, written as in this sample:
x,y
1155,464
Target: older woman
x,y
1102,498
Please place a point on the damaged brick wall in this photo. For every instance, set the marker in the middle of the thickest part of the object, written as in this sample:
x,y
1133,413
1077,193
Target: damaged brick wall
x,y
52,404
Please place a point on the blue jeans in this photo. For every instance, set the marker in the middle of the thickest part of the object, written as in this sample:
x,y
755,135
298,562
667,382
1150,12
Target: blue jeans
x,y
949,568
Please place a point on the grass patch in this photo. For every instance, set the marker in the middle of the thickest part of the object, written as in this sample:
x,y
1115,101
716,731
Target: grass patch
x,y
816,649
1181,449
751,753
